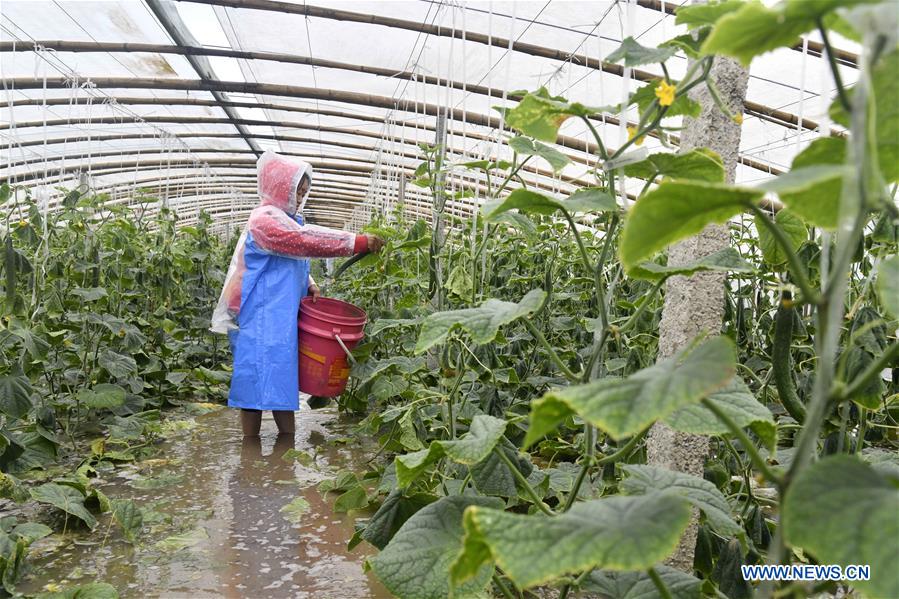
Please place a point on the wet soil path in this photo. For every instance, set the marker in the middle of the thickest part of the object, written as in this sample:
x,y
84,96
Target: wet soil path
x,y
215,521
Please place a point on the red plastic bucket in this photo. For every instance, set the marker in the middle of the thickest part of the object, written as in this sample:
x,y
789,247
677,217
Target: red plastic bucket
x,y
324,369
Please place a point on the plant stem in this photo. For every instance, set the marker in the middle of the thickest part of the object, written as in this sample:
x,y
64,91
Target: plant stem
x,y
642,128
512,176
830,313
854,198
834,69
465,482
580,243
597,272
550,350
590,462
598,346
451,416
862,428
647,185
624,451
706,64
523,482
576,583
664,593
590,444
483,244
744,471
809,294
744,440
602,148
502,586
647,299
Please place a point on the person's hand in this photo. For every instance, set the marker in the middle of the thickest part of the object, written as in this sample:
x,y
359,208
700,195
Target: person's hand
x,y
375,243
314,292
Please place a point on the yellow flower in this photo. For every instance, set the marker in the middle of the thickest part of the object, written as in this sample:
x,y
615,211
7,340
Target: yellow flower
x,y
631,132
738,118
23,223
665,93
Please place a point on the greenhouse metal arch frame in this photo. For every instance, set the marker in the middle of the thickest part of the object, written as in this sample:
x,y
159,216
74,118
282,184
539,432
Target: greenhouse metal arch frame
x,y
472,132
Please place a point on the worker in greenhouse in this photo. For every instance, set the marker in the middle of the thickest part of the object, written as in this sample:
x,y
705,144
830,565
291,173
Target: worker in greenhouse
x,y
267,278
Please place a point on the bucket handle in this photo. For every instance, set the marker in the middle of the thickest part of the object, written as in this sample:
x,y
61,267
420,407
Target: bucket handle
x,y
344,347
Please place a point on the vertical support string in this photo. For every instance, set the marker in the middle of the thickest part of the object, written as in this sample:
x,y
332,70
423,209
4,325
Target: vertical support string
x,y
625,92
801,107
12,119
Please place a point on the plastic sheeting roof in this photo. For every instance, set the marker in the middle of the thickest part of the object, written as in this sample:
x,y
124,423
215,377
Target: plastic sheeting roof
x,y
178,98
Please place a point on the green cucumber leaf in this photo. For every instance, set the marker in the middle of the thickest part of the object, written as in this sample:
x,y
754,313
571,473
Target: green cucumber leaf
x,y
700,164
539,114
32,531
727,260
616,533
526,147
812,188
416,562
482,323
586,199
15,394
366,371
638,585
470,449
102,396
624,407
294,510
842,511
128,516
795,232
66,498
675,210
885,110
705,14
642,480
117,364
754,29
393,513
634,55
735,400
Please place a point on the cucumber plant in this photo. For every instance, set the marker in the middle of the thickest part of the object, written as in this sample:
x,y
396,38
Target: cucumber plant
x,y
512,417
104,323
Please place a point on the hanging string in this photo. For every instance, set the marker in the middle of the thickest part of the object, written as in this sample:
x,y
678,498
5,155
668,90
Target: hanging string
x,y
449,178
824,122
602,95
625,92
89,85
168,172
465,154
12,120
508,74
181,184
42,63
801,108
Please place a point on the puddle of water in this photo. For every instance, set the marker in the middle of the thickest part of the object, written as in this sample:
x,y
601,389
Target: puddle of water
x,y
213,525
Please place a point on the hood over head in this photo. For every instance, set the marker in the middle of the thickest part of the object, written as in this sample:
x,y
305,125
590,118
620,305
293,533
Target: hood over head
x,y
278,178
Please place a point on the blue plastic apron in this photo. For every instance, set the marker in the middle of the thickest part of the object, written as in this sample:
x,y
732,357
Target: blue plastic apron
x,y
265,345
